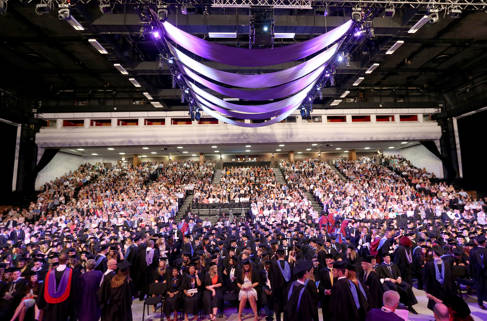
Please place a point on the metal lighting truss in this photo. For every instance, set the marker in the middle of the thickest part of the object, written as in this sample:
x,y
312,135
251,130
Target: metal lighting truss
x,y
309,4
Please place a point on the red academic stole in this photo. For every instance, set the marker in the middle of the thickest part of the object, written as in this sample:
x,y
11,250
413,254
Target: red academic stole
x,y
57,293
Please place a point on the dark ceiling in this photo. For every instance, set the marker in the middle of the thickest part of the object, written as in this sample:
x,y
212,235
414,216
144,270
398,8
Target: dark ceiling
x,y
53,68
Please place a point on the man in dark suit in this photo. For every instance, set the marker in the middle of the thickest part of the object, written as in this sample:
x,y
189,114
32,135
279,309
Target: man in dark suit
x,y
386,313
478,265
390,277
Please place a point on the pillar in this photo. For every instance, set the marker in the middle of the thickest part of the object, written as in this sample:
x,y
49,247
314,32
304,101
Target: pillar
x,y
114,122
352,155
86,123
135,160
59,123
202,158
291,157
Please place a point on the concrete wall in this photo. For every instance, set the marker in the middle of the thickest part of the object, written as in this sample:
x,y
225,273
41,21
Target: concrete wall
x,y
421,157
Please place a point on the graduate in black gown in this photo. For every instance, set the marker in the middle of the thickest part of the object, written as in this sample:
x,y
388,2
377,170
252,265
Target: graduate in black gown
x,y
116,296
300,303
280,279
438,278
372,283
390,277
327,279
173,291
57,292
346,303
191,288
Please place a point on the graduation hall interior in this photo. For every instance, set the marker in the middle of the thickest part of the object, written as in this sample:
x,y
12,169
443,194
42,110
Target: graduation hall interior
x,y
287,160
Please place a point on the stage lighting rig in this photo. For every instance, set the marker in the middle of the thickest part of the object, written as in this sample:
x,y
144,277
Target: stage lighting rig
x,y
105,6
63,12
162,12
434,15
389,11
455,12
43,8
357,13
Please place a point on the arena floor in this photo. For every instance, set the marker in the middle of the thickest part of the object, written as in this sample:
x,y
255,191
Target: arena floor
x,y
424,313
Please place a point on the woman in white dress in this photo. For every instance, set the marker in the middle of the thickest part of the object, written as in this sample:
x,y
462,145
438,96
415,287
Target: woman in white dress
x,y
248,280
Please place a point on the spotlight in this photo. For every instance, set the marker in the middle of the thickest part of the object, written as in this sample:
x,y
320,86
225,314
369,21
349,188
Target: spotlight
x,y
455,12
156,34
63,13
265,28
358,33
170,60
340,58
186,91
42,9
184,10
3,7
205,12
390,12
356,13
434,15
105,7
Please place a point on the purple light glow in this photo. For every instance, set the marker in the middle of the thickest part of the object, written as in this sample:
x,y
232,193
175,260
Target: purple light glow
x,y
156,34
358,33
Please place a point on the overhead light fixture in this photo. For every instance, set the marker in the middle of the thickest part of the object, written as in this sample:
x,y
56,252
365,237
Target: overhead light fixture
x,y
185,151
418,25
345,94
335,102
372,68
308,149
143,156
455,12
193,155
314,144
153,153
358,81
105,6
391,147
222,35
179,147
65,14
120,68
145,148
394,47
80,149
367,147
404,143
281,145
41,8
356,13
265,28
338,148
300,152
156,104
110,148
214,146
94,154
216,151
284,35
390,11
247,150
121,153
278,150
98,46
345,151
135,82
248,146
147,95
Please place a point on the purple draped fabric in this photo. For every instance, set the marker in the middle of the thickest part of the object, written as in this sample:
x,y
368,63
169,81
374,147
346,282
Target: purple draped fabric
x,y
294,100
254,57
255,95
271,79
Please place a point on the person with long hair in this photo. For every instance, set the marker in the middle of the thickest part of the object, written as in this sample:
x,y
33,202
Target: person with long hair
x,y
190,286
116,296
247,281
28,301
213,291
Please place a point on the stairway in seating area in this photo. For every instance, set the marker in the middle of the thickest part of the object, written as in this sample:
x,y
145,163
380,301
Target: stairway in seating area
x,y
184,207
316,206
279,177
217,177
338,172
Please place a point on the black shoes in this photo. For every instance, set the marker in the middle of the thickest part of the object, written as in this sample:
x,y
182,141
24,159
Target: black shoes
x,y
411,309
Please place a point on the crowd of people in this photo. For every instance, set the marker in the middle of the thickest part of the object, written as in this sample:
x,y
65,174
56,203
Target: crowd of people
x,y
384,227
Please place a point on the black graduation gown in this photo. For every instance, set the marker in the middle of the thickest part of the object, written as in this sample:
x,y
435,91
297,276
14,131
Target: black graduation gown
x,y
116,303
279,284
434,287
401,260
172,304
191,303
302,311
374,289
325,284
60,311
404,289
342,306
